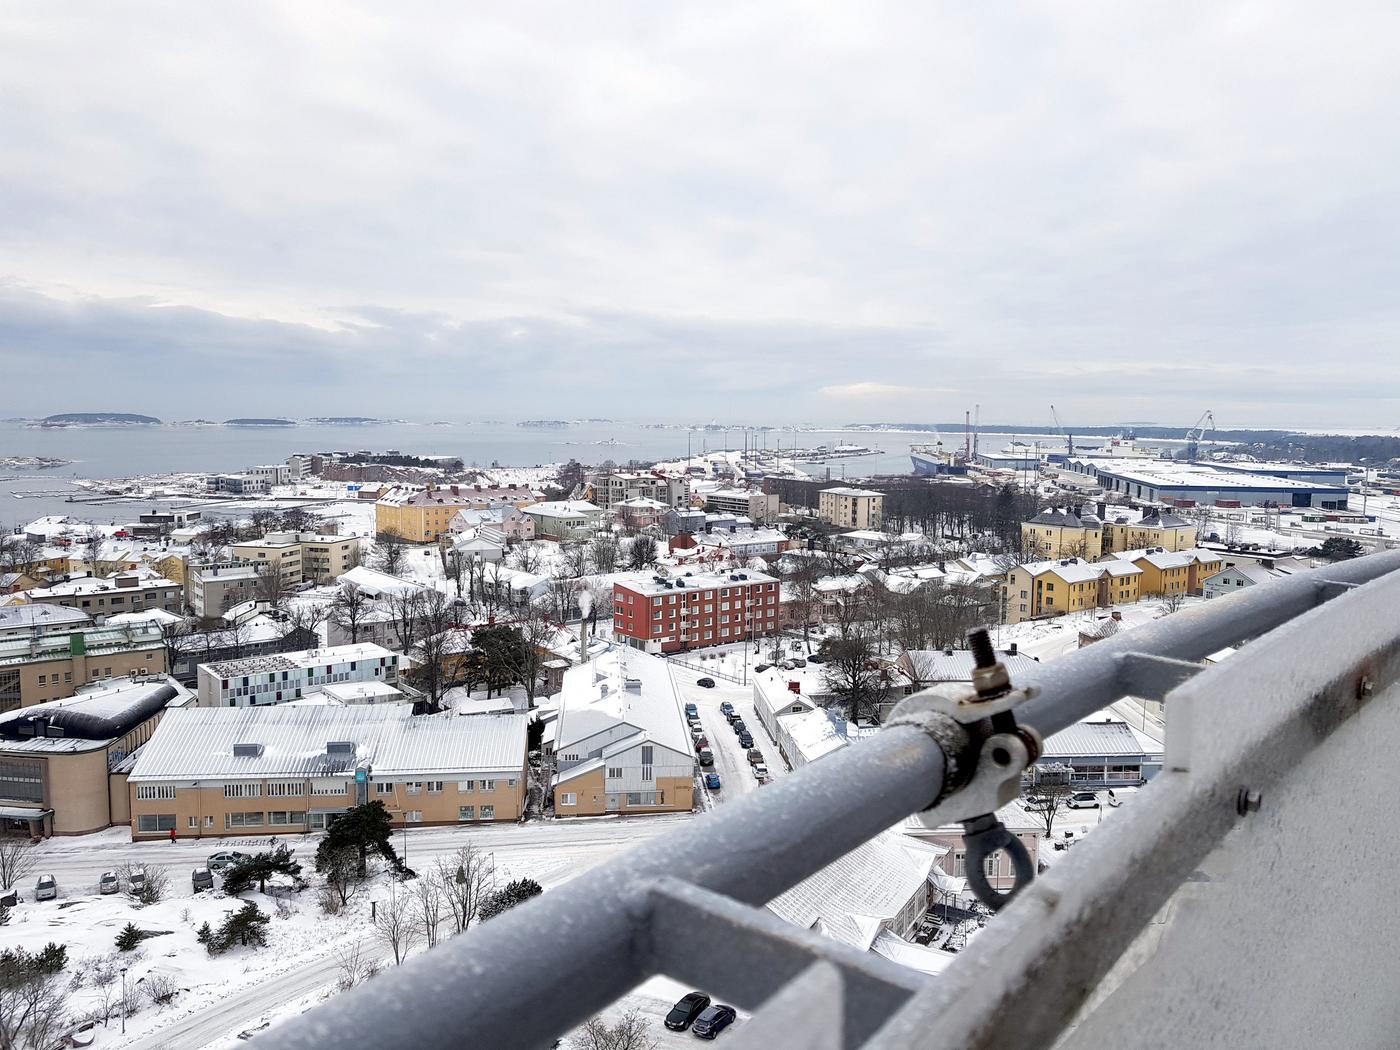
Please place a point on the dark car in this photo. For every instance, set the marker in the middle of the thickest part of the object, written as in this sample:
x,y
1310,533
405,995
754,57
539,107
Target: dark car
x,y
691,711
731,716
684,1013
760,668
755,756
726,709
706,756
714,1020
712,781
739,725
745,739
702,741
706,683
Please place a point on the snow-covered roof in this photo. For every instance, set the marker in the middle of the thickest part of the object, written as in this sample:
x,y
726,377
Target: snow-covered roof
x,y
1103,737
378,584
941,665
564,508
198,743
914,956
159,617
101,712
842,490
621,686
331,654
41,616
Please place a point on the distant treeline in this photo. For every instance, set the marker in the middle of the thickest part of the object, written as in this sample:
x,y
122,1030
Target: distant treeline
x,y
1327,448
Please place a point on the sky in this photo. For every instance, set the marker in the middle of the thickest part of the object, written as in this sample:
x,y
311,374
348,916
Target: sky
x,y
775,212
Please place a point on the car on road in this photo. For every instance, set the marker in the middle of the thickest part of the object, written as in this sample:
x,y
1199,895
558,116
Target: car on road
x,y
739,725
705,683
715,1019
202,879
731,716
701,741
691,711
816,660
225,859
686,1010
760,772
786,665
746,739
712,781
760,668
706,756
726,709
1083,800
136,882
755,756
696,731
46,889
798,661
109,883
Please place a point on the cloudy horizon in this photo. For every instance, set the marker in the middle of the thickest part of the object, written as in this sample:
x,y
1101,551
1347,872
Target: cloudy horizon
x,y
781,213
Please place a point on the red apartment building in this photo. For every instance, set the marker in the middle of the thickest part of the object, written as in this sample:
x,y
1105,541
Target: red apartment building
x,y
671,614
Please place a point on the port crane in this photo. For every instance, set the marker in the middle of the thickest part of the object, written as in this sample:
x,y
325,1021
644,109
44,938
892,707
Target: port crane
x,y
1197,434
1060,429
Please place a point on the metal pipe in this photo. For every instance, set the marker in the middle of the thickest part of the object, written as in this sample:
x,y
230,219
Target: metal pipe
x,y
1088,680
529,974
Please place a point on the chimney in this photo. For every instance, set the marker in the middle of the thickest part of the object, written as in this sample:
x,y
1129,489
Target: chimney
x,y
1103,508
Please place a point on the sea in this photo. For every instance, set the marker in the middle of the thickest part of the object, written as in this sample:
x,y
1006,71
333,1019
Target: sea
x,y
114,452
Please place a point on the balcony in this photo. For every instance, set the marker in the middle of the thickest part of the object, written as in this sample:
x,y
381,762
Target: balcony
x,y
1242,899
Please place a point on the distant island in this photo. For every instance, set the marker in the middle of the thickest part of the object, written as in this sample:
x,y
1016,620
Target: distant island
x,y
346,421
32,462
97,419
544,423
251,422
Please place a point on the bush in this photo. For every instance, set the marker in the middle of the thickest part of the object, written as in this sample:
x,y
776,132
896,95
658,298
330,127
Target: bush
x,y
160,989
508,896
129,937
329,901
246,927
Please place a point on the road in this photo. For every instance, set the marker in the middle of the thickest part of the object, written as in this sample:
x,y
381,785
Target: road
x,y
731,760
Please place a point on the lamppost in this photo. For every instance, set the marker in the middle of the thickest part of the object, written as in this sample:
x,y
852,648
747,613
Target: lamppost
x,y
123,1000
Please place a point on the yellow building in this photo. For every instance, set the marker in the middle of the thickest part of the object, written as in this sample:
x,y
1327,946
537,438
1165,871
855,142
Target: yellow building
x,y
424,515
1067,585
54,666
1158,528
301,556
1063,534
851,508
289,770
1171,572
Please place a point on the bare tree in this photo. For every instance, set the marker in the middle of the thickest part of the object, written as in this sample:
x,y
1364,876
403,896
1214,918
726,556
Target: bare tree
x,y
307,616
642,553
631,1032
405,612
390,551
429,903
91,544
1170,602
466,876
394,922
356,966
604,552
33,1001
18,554
105,978
574,558
272,585
349,611
440,640
18,858
526,557
1049,793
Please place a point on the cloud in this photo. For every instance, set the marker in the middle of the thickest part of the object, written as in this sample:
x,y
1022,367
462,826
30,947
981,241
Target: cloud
x,y
727,213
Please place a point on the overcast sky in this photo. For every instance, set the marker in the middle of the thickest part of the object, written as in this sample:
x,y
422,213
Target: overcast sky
x,y
756,212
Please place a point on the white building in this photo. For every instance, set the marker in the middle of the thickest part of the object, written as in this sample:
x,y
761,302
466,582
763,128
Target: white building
x,y
266,680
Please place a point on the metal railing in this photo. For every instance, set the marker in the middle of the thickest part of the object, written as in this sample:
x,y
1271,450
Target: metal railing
x,y
690,904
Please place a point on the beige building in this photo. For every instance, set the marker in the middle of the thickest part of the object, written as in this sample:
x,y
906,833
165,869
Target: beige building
x,y
213,588
208,773
124,592
1067,533
1158,528
424,515
1068,585
851,508
621,743
301,556
1172,572
754,504
62,762
53,666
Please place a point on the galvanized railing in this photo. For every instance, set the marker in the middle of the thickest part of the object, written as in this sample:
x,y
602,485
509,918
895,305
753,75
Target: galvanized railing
x,y
690,904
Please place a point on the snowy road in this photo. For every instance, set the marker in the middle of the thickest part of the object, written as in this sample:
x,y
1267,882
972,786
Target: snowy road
x,y
731,760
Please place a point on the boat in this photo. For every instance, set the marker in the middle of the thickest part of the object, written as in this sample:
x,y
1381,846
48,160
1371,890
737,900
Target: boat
x,y
932,461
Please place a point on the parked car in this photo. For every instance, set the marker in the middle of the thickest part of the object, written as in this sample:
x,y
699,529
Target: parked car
x,y
136,882
707,757
760,772
726,709
713,1020
225,859
816,659
731,716
109,883
712,781
746,739
202,879
696,731
798,661
706,683
691,711
739,726
760,668
755,756
46,889
786,665
1083,800
702,741
686,1010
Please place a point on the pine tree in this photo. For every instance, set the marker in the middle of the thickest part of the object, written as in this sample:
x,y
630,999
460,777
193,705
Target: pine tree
x,y
258,868
129,937
517,891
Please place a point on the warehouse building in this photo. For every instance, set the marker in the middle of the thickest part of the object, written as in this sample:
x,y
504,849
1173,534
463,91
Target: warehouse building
x,y
1193,484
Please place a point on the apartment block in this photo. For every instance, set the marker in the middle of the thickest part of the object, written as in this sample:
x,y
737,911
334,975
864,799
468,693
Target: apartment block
x,y
616,486
208,773
1173,572
1156,528
124,592
424,515
666,615
1053,588
851,508
213,588
262,681
53,666
744,503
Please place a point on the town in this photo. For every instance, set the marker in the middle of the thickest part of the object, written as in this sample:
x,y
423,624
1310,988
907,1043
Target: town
x,y
212,706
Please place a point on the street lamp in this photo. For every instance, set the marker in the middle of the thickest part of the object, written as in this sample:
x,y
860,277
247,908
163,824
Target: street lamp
x,y
123,1000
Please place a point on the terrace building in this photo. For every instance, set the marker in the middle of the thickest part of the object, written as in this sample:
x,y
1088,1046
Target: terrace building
x,y
262,681
124,592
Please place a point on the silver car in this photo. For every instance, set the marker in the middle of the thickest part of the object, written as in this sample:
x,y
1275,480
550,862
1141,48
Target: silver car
x,y
202,879
109,883
46,889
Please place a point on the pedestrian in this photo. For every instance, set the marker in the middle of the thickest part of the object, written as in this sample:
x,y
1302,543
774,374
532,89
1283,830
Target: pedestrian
x,y
172,836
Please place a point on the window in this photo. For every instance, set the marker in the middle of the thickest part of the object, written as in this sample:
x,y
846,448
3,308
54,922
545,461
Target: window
x,y
242,790
290,816
614,772
568,798
466,812
435,787
413,816
414,787
243,820
488,785
510,783
285,789
148,822
328,788
382,787
145,792
43,680
192,823
488,812
464,786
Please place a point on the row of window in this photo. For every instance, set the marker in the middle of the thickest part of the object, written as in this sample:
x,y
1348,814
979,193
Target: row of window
x,y
298,789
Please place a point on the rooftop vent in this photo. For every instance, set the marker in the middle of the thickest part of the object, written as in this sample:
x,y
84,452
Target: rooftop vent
x,y
247,750
345,748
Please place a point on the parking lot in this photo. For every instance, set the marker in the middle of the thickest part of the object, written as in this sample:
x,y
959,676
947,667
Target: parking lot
x,y
731,760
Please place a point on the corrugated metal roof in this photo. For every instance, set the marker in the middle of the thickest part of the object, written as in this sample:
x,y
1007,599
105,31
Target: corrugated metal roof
x,y
198,743
1094,738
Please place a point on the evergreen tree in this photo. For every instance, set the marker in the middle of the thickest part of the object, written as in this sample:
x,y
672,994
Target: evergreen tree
x,y
508,896
246,927
129,937
362,829
240,877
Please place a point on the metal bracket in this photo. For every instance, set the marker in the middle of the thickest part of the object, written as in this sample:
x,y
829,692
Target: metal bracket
x,y
996,780
1153,677
1333,588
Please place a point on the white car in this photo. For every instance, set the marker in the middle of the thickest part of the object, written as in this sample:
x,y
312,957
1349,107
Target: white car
x,y
1083,800
760,771
109,883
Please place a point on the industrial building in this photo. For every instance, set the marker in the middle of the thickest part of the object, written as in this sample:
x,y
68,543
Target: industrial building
x,y
1195,484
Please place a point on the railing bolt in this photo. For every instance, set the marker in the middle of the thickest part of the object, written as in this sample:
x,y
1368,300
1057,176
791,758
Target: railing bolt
x,y
1247,801
1364,688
